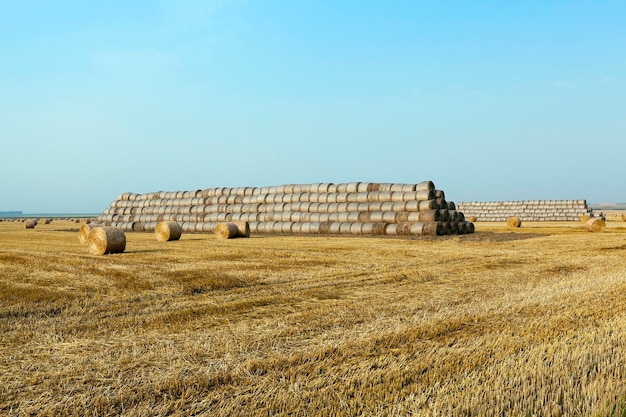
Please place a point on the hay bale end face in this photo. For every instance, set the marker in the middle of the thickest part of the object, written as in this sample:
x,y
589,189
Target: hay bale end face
x,y
85,229
106,239
514,222
595,224
167,231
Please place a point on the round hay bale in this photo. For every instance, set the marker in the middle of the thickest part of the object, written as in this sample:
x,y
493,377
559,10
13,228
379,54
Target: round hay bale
x,y
30,223
403,229
425,185
585,218
356,228
365,216
352,187
167,231
595,224
84,230
514,221
471,219
106,239
335,227
324,228
624,217
232,230
391,229
344,228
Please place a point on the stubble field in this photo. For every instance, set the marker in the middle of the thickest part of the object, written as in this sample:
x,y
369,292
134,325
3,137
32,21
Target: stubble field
x,y
524,322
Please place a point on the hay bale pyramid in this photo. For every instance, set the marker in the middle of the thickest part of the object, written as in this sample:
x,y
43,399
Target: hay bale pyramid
x,y
355,208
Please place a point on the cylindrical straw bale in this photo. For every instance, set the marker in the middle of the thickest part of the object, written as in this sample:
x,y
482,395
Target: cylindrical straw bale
x,y
30,223
226,231
342,197
375,206
365,216
343,217
403,229
451,205
379,229
335,228
595,224
445,215
314,217
428,216
353,216
324,217
321,188
352,187
106,239
384,195
363,187
168,231
314,227
440,194
391,229
425,185
356,228
470,227
229,230
389,217
296,228
85,229
372,186
324,228
514,221
285,227
471,219
402,216
344,228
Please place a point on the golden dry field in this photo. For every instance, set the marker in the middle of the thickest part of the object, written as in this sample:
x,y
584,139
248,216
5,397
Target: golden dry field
x,y
504,322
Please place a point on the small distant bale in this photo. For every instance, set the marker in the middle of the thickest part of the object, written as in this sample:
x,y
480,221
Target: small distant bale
x,y
167,231
232,230
105,240
471,219
585,218
44,221
85,229
514,222
30,223
595,224
624,217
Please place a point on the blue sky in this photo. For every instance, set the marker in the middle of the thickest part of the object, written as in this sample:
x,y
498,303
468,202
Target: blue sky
x,y
489,100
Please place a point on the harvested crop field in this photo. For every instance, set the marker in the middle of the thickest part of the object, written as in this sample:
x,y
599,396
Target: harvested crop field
x,y
528,321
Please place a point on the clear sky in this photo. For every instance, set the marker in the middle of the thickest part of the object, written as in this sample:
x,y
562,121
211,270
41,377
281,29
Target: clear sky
x,y
491,100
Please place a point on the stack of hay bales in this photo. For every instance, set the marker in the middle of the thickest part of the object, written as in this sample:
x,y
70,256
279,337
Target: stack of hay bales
x,y
533,211
356,208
